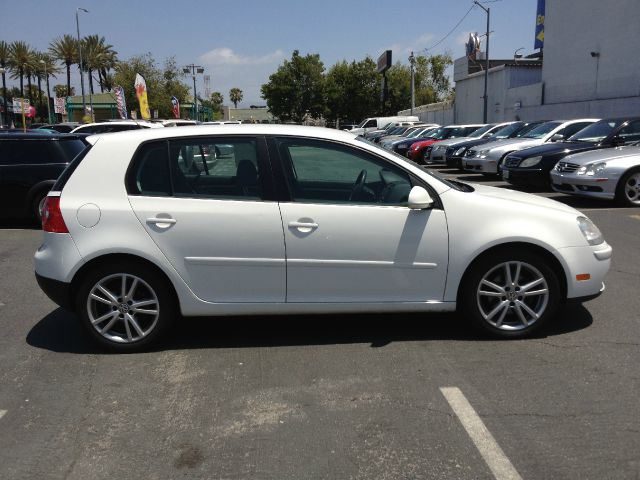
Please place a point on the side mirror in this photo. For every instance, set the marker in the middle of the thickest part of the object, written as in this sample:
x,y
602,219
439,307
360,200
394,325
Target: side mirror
x,y
419,199
557,138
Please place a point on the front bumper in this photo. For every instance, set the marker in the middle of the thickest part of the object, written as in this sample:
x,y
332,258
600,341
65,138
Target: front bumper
x,y
594,260
480,165
521,176
595,187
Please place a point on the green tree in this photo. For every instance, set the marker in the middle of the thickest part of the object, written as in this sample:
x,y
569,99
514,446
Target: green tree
x,y
352,91
162,83
235,95
19,58
97,56
296,89
432,84
62,91
65,50
399,88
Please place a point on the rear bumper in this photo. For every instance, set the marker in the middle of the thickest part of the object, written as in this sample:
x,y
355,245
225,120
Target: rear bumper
x,y
59,292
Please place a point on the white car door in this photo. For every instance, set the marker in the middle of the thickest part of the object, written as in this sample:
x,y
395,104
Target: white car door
x,y
349,235
202,200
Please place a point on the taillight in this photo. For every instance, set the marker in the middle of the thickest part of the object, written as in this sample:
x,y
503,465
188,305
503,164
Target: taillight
x,y
52,220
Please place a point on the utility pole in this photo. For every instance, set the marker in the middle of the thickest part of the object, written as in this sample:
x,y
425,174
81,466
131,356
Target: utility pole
x,y
193,69
412,61
84,102
486,68
46,74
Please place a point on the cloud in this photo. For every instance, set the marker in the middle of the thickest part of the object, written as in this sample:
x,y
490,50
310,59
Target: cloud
x,y
416,45
226,56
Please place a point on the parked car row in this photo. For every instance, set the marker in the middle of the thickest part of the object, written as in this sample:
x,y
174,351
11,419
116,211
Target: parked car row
x,y
588,156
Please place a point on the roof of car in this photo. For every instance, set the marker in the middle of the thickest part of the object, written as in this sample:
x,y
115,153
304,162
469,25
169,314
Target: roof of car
x,y
142,135
39,136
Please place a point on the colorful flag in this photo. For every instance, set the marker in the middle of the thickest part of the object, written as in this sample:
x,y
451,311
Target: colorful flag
x,y
120,101
141,93
539,41
176,107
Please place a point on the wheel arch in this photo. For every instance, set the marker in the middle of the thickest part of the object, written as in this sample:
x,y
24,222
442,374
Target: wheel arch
x,y
111,258
554,262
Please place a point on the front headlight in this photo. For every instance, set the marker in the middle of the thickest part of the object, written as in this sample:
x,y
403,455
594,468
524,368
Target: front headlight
x,y
591,233
530,162
459,152
592,169
483,153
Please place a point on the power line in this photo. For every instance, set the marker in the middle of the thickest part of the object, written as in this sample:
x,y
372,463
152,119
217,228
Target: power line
x,y
450,31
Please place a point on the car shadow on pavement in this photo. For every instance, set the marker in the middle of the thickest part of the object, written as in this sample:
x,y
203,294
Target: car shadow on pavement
x,y
60,331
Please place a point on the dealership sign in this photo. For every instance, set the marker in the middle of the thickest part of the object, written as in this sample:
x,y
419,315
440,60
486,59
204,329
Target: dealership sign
x,y
384,61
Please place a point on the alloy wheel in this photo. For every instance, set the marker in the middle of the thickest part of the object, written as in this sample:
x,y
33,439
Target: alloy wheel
x,y
123,308
512,296
632,188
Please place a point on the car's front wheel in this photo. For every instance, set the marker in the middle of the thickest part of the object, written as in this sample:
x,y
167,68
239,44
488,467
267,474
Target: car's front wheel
x,y
125,307
510,294
628,191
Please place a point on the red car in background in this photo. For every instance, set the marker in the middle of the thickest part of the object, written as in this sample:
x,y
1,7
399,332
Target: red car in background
x,y
419,151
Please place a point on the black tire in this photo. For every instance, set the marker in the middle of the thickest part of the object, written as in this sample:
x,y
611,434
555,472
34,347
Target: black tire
x,y
152,283
621,197
37,203
512,326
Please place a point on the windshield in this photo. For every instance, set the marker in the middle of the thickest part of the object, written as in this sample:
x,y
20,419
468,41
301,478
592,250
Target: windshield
x,y
441,133
415,132
541,130
361,124
507,131
482,130
596,132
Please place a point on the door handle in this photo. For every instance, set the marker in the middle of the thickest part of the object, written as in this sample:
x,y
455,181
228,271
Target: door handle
x,y
160,220
308,226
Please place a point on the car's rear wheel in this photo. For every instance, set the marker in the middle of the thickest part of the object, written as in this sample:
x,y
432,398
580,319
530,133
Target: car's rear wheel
x,y
511,294
125,307
628,190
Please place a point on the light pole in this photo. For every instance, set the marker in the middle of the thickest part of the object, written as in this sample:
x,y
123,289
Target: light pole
x,y
84,103
46,76
412,61
193,69
5,117
486,68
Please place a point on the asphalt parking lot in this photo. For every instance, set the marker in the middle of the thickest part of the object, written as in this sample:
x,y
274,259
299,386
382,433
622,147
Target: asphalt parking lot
x,y
362,397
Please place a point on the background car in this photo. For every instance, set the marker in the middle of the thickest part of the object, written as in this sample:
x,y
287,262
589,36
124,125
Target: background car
x,y
401,145
513,130
115,126
532,165
612,174
167,232
488,158
30,163
420,151
64,127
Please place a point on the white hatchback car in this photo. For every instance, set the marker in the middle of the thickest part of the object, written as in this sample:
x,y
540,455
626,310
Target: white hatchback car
x,y
273,219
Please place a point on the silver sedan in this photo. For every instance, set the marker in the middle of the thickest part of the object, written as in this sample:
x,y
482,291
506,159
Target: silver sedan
x,y
612,173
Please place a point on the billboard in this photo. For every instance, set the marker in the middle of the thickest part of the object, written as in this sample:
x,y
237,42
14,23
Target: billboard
x,y
384,61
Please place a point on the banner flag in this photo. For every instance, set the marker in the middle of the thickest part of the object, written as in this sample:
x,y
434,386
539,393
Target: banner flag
x,y
539,41
141,93
175,107
120,102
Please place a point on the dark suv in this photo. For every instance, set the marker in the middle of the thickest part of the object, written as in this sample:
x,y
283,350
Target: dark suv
x,y
30,163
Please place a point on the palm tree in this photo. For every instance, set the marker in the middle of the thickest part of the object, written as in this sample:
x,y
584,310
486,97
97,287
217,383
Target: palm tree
x,y
4,58
235,95
65,49
19,57
98,56
45,68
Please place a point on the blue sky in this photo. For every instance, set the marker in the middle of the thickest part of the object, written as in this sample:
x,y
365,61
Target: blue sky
x,y
241,42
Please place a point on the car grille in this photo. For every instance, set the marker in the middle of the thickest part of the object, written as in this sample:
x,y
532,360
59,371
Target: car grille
x,y
567,167
512,161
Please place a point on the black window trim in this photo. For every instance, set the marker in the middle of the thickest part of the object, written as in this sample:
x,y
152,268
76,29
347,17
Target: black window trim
x,y
269,193
282,185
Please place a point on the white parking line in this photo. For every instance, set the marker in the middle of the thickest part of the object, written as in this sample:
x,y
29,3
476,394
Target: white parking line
x,y
493,455
2,413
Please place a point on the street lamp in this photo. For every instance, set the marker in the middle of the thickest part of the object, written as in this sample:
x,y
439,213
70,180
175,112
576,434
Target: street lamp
x,y
193,69
84,103
4,97
486,68
412,61
46,75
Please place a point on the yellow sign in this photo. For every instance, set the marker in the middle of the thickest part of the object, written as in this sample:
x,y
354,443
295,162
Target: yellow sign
x,y
141,92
